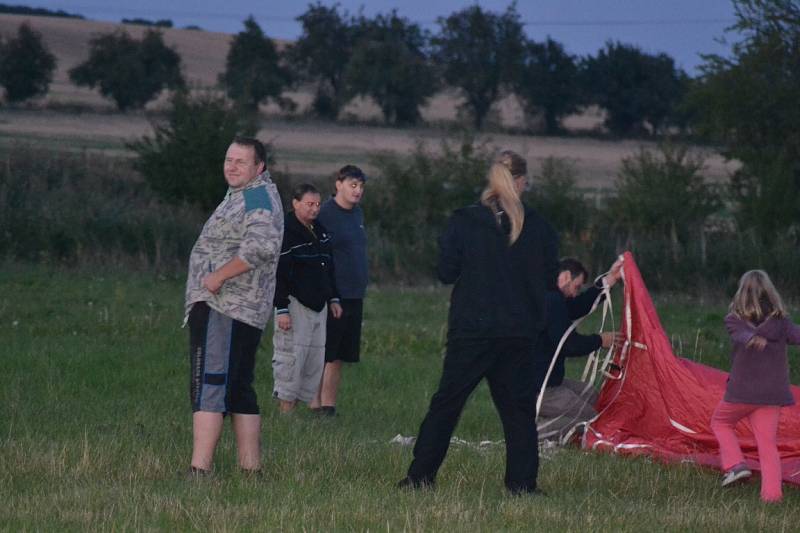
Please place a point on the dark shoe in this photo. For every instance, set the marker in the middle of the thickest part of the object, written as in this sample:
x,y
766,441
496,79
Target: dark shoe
x,y
328,410
195,473
527,492
415,484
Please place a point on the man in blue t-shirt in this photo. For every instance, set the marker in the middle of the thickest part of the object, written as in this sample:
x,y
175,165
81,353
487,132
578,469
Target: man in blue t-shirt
x,y
344,219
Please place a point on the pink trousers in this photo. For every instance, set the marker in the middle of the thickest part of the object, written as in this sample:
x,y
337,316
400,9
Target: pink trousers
x,y
764,421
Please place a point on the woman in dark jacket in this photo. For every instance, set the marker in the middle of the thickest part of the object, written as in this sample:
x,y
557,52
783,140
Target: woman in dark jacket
x,y
502,257
305,285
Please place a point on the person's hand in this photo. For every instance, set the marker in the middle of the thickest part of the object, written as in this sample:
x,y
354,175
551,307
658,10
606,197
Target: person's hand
x,y
213,282
614,273
612,338
284,321
336,310
758,342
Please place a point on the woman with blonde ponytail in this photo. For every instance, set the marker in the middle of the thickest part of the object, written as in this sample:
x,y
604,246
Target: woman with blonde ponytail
x,y
501,258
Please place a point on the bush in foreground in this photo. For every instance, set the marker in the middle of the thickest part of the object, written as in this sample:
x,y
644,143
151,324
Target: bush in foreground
x,y
182,161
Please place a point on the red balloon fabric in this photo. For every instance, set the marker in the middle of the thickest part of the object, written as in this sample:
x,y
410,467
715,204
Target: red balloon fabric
x,y
660,405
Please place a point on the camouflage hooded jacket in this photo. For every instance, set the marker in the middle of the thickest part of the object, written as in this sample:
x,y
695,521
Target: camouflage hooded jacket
x,y
247,224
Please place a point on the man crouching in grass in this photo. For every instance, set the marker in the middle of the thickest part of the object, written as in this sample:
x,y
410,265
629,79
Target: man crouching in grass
x,y
229,295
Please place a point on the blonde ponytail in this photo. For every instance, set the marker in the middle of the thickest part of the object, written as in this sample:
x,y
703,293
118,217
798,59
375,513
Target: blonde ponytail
x,y
501,193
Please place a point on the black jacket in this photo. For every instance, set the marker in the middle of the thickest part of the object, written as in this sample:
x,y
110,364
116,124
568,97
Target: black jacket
x,y
499,289
305,268
561,311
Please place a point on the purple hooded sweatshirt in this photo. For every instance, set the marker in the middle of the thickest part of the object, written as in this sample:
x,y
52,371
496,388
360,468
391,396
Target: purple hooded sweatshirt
x,y
760,377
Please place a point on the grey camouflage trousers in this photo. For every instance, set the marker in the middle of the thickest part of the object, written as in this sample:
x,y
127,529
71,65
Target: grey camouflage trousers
x,y
298,357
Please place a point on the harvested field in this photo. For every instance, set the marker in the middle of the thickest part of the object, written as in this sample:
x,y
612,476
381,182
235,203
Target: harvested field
x,y
307,148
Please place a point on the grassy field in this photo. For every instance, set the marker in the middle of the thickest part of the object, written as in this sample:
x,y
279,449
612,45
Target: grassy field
x,y
95,430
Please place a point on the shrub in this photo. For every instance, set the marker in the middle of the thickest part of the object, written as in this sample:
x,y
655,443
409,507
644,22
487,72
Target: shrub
x,y
412,197
664,195
182,161
88,209
556,196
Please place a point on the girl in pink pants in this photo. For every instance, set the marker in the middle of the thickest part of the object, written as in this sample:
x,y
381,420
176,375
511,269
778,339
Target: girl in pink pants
x,y
758,385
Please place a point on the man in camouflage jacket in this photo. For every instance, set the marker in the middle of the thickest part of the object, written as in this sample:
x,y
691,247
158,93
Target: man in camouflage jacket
x,y
229,293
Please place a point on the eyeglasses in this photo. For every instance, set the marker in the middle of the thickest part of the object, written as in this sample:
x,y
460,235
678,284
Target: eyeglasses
x,y
311,204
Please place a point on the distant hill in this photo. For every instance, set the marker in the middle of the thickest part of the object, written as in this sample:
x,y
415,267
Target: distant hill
x,y
37,12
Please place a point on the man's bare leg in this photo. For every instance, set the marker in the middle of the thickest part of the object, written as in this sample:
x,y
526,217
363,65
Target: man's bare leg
x,y
247,429
317,401
330,383
206,430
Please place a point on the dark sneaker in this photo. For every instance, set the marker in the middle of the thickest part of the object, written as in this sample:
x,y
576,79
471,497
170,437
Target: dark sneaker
x,y
527,492
736,474
195,473
415,484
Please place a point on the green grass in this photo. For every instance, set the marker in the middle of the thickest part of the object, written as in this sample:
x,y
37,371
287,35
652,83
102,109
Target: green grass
x,y
95,430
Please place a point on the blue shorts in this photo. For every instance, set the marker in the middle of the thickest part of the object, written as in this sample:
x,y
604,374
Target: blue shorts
x,y
222,353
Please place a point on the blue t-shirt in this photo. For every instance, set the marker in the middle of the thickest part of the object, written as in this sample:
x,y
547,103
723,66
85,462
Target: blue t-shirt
x,y
349,244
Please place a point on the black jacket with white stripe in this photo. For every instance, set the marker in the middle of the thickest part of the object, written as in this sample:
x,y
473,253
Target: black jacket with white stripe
x,y
305,268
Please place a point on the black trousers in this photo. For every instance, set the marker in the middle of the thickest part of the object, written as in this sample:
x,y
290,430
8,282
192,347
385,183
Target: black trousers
x,y
508,366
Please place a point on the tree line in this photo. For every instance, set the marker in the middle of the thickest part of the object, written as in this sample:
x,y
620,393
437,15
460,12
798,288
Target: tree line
x,y
480,53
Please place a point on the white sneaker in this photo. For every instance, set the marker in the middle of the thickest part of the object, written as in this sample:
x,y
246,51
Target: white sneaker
x,y
737,473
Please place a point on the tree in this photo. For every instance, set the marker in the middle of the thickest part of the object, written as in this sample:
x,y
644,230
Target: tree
x,y
182,161
479,52
320,55
26,65
748,102
633,87
253,72
548,83
129,71
389,64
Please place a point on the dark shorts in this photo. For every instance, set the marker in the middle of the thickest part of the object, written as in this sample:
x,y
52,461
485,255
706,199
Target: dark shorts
x,y
222,354
343,336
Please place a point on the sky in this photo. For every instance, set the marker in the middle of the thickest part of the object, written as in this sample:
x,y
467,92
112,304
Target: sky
x,y
684,29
